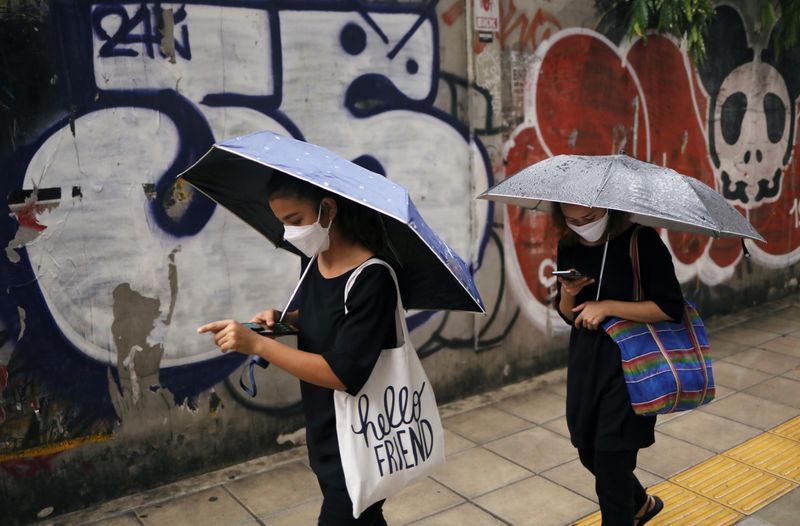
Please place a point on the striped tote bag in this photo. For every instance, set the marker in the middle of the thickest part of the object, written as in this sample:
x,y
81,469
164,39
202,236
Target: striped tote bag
x,y
667,366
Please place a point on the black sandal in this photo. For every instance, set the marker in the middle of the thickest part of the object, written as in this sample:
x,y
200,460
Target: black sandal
x,y
654,510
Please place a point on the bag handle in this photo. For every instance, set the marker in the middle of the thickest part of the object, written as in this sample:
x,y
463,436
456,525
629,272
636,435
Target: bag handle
x,y
634,254
254,360
400,318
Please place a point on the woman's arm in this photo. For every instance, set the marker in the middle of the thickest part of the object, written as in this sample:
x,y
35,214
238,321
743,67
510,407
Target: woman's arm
x,y
568,290
231,335
270,316
592,313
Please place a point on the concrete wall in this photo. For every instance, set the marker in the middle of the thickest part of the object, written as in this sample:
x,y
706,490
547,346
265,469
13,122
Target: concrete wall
x,y
108,267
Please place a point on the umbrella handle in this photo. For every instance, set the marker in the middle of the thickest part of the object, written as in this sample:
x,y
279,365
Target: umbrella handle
x,y
296,288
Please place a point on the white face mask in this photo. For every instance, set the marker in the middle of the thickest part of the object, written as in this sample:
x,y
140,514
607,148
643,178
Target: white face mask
x,y
309,239
593,231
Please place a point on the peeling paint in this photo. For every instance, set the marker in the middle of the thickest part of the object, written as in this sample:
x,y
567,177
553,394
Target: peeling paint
x,y
214,403
173,284
296,438
149,191
168,32
573,137
22,315
178,199
26,206
684,141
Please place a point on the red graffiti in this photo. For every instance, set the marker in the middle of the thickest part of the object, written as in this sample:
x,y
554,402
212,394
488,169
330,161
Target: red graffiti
x,y
26,216
592,99
23,468
3,377
452,13
520,31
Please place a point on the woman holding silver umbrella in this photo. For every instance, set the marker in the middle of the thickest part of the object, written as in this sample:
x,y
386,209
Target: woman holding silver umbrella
x,y
602,424
628,359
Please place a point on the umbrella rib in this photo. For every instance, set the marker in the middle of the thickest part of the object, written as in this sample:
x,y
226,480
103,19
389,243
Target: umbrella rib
x,y
606,178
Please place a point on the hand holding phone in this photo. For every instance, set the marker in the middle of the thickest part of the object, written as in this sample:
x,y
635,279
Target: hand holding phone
x,y
278,329
571,274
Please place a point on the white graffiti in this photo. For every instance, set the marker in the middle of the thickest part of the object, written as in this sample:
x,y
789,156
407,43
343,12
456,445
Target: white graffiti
x,y
108,236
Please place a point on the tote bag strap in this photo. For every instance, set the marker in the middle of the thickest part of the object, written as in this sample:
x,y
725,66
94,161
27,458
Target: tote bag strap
x,y
400,318
634,253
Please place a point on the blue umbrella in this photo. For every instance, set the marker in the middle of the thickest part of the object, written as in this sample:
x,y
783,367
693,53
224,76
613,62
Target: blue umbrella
x,y
235,173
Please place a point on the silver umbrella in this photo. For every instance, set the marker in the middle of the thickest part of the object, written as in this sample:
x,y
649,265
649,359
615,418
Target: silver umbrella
x,y
655,196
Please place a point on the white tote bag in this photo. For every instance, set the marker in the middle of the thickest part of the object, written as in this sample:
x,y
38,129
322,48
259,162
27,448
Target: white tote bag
x,y
390,433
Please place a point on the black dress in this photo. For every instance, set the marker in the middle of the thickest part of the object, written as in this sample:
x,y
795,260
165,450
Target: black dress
x,y
599,412
349,343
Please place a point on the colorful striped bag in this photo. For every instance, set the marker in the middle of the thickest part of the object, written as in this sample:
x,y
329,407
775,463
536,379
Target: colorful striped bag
x,y
666,365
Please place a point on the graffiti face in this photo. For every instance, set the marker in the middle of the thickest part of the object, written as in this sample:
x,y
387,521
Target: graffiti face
x,y
752,134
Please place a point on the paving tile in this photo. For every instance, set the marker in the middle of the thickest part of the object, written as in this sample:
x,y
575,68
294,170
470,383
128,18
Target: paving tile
x,y
301,515
537,449
454,443
734,484
574,477
794,374
778,389
536,501
211,507
485,424
419,500
669,456
577,478
766,361
745,336
792,313
559,425
276,489
536,406
735,376
709,431
477,471
752,410
782,511
559,388
464,515
785,345
720,348
773,324
129,519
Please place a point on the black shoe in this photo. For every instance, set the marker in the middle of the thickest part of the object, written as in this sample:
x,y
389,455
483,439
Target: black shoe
x,y
654,510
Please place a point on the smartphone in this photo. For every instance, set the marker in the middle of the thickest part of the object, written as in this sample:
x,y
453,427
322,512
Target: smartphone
x,y
568,274
279,329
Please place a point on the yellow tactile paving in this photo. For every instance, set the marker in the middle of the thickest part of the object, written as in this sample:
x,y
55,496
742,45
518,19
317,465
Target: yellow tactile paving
x,y
681,507
790,429
735,484
776,454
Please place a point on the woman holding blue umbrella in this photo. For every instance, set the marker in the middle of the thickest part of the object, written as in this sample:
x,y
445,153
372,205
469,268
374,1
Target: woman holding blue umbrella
x,y
337,349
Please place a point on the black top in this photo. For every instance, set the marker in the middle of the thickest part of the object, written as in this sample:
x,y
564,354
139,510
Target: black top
x,y
599,412
349,343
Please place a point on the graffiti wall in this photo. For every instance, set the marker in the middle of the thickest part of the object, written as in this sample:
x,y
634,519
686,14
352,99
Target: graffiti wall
x,y
108,265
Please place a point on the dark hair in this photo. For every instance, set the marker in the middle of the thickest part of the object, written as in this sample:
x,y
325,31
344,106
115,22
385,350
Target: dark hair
x,y
355,223
617,223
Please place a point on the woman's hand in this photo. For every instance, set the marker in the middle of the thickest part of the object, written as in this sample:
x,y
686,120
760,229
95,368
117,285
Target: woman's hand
x,y
571,287
268,317
590,314
230,335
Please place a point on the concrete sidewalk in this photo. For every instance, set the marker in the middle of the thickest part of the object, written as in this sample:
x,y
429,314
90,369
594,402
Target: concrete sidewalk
x,y
509,460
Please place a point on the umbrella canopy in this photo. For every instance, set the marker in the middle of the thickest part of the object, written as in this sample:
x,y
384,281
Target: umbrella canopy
x,y
655,196
235,173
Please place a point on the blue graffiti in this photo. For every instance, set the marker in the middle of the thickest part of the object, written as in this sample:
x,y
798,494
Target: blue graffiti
x,y
133,30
